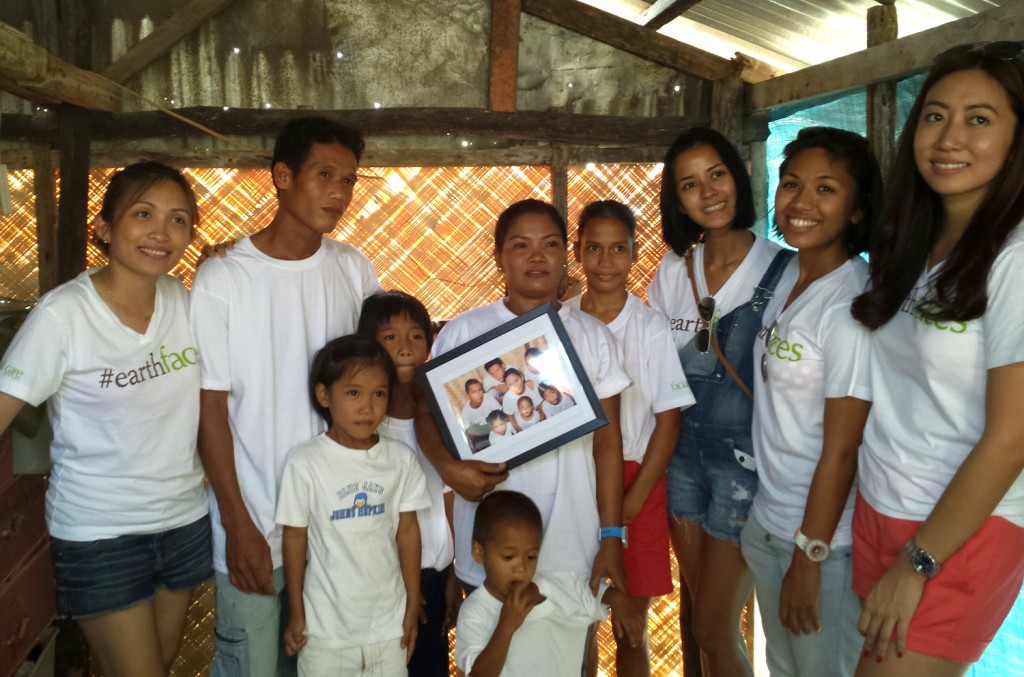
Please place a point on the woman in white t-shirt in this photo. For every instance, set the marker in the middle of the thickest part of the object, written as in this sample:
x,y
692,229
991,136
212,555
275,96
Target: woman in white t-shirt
x,y
810,404
111,354
578,486
939,523
714,284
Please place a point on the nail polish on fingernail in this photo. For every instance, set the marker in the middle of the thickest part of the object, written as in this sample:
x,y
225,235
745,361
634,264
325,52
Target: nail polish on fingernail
x,y
899,654
864,653
878,659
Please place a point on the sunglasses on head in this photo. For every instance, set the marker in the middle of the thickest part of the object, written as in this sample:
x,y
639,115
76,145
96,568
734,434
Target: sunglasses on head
x,y
706,310
764,357
1002,49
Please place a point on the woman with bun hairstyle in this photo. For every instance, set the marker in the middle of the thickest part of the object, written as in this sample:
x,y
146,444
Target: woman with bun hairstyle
x,y
713,287
939,523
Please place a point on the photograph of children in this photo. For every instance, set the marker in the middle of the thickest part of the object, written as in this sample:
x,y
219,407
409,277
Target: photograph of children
x,y
506,394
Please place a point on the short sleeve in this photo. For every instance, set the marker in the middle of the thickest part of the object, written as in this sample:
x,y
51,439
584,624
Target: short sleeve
x,y
655,290
473,631
208,321
413,490
1003,321
669,387
605,369
293,498
24,374
845,347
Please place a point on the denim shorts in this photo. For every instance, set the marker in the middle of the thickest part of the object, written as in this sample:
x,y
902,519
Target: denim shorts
x,y
111,574
712,479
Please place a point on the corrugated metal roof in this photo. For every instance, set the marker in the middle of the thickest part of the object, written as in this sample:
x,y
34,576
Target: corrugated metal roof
x,y
791,34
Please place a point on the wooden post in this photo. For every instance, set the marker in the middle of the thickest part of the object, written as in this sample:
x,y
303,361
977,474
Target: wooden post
x,y
504,71
560,178
755,128
727,108
46,216
881,97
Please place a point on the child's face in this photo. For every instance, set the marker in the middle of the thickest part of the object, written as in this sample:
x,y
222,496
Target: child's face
x,y
509,556
357,401
498,425
606,253
497,371
476,394
317,196
406,343
514,383
552,396
526,408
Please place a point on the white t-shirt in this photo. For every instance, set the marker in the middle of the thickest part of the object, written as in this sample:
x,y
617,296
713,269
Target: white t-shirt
x,y
124,408
438,550
652,364
671,293
550,410
552,638
928,386
494,437
561,482
472,415
258,321
510,403
525,423
818,351
350,501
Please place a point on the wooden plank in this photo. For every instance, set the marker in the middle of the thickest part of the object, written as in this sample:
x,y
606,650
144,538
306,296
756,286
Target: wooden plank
x,y
536,126
560,179
72,212
883,27
628,36
504,52
165,36
727,108
890,61
417,157
45,186
29,71
663,11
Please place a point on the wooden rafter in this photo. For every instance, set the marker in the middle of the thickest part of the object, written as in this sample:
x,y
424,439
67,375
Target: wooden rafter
x,y
504,52
663,11
29,71
166,35
888,61
630,37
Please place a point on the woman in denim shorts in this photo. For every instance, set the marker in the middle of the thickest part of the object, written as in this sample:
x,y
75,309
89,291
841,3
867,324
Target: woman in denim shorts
x,y
111,354
707,210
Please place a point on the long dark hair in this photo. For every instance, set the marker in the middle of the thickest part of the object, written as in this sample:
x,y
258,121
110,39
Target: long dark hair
x,y
914,213
678,230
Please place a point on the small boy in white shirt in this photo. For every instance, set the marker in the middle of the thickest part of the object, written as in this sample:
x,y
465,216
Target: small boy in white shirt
x,y
480,404
516,624
517,387
500,428
526,414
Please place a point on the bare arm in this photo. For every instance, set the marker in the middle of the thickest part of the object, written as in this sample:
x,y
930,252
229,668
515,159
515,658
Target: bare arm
x,y
659,452
409,554
453,588
972,495
9,408
295,545
608,465
248,555
830,489
521,599
471,479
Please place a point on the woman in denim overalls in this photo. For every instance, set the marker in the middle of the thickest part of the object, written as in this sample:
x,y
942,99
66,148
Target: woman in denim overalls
x,y
707,210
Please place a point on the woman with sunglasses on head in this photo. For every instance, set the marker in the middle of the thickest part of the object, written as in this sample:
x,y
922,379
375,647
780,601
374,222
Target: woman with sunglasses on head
x,y
810,404
713,286
939,523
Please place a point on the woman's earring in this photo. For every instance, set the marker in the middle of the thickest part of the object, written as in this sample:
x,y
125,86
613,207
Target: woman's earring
x,y
500,269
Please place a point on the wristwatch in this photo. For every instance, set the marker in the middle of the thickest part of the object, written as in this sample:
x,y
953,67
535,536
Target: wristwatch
x,y
614,532
816,549
922,561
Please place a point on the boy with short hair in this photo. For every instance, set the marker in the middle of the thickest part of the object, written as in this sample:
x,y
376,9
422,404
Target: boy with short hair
x,y
494,379
258,315
517,624
480,404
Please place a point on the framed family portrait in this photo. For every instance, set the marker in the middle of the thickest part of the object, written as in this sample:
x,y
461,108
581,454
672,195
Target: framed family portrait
x,y
513,393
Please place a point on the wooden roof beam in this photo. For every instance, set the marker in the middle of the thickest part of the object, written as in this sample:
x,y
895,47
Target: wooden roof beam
x,y
165,36
630,37
29,71
663,11
888,61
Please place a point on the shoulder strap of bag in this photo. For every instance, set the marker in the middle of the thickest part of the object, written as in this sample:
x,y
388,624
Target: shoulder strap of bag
x,y
711,331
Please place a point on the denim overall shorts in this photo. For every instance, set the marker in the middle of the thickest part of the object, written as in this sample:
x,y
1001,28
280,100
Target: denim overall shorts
x,y
712,475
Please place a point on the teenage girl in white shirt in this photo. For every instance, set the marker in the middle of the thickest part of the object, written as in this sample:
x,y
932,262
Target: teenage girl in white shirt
x,y
939,525
810,404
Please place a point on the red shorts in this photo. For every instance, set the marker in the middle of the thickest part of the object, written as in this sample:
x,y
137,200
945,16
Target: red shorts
x,y
646,559
966,602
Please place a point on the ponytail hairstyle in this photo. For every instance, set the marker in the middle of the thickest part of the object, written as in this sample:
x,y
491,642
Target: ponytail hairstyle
x,y
913,216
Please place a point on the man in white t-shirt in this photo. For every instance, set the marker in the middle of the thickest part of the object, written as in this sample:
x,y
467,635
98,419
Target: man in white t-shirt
x,y
258,316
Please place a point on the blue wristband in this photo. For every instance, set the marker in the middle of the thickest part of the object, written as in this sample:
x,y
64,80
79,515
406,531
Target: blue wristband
x,y
614,532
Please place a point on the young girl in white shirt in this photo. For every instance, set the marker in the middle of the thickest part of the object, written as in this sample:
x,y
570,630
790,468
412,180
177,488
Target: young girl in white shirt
x,y
810,403
939,524
111,353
